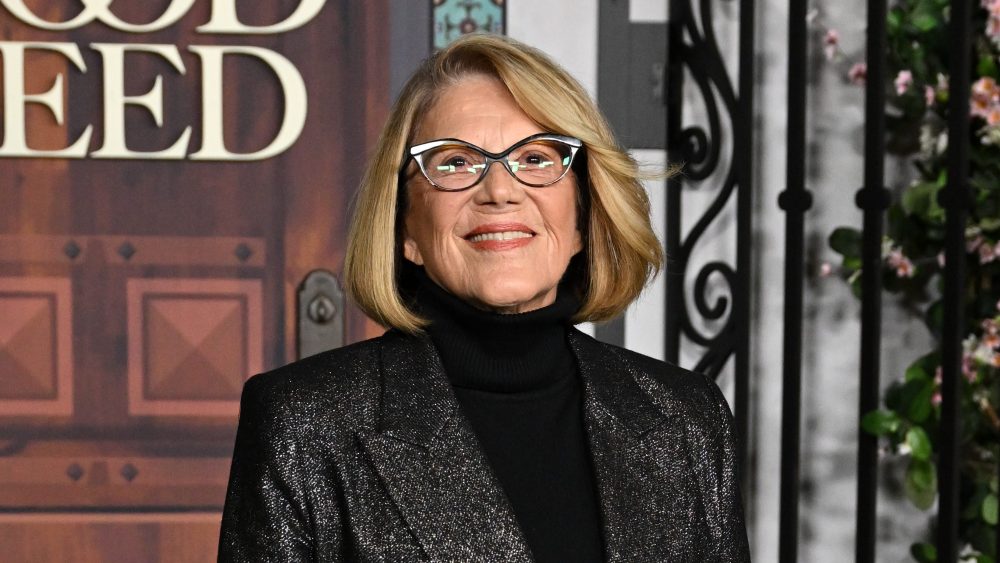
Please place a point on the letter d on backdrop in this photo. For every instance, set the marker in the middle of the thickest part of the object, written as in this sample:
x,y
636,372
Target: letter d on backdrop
x,y
296,101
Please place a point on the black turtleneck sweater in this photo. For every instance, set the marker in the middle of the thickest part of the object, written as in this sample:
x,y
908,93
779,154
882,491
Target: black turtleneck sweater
x,y
517,383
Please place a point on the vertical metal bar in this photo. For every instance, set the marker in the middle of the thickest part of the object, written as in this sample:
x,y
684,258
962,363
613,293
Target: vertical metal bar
x,y
955,199
794,200
873,199
744,231
675,101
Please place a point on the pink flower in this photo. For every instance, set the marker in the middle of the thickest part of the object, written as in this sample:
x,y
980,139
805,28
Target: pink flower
x,y
993,22
825,269
968,367
940,261
858,74
985,96
993,116
903,82
993,26
990,326
998,305
938,375
936,399
831,44
973,243
992,341
986,253
929,95
903,266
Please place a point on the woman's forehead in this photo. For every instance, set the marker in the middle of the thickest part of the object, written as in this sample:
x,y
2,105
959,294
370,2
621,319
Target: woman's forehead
x,y
479,110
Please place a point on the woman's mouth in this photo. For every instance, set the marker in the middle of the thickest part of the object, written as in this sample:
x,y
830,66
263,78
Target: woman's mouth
x,y
502,235
499,237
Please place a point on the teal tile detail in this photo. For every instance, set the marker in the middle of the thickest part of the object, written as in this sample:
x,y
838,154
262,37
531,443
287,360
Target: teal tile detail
x,y
454,18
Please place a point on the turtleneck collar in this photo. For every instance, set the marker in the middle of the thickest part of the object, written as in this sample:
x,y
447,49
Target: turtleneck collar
x,y
500,353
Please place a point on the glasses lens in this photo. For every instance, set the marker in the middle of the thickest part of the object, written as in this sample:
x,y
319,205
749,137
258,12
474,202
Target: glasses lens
x,y
454,167
540,162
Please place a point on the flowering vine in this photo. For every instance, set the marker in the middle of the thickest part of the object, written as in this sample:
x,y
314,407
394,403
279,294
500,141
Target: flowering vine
x,y
913,259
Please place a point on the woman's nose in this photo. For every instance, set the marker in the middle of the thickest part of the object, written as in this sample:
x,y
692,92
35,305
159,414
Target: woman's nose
x,y
499,187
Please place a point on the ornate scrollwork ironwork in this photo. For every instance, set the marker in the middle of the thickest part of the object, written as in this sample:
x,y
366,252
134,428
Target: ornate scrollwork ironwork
x,y
694,50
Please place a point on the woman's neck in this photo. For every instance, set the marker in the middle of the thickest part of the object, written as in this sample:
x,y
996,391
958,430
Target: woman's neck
x,y
496,352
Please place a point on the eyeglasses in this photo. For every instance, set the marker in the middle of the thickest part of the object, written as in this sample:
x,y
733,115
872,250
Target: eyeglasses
x,y
453,165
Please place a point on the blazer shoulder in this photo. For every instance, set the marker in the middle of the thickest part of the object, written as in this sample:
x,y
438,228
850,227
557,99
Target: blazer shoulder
x,y
340,366
664,379
340,383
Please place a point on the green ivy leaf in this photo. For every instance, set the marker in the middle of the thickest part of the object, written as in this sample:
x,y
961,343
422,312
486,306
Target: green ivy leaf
x,y
925,22
989,509
846,241
919,442
924,552
989,223
916,372
914,399
987,67
974,505
923,367
893,22
921,200
880,422
934,317
921,483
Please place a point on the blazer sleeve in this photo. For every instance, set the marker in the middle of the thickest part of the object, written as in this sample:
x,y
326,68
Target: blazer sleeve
x,y
723,483
266,515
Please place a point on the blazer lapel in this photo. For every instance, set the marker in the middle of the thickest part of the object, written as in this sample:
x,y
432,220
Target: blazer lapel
x,y
432,465
643,469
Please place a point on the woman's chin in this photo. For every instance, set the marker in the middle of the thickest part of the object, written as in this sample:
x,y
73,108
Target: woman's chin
x,y
515,299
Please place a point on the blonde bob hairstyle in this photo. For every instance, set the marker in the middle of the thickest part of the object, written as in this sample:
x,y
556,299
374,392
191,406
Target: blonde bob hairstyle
x,y
621,252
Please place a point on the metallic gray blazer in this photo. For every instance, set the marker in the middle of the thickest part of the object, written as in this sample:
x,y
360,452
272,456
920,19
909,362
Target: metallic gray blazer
x,y
362,454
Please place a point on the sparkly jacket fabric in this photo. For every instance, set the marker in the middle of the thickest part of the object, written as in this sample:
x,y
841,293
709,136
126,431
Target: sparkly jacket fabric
x,y
362,454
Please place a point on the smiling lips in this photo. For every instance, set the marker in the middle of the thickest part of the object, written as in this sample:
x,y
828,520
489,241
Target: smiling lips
x,y
497,236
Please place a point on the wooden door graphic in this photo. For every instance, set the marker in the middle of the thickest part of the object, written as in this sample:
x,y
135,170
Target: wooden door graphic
x,y
137,294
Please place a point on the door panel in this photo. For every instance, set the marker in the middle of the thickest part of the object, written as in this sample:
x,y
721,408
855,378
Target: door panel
x,y
137,295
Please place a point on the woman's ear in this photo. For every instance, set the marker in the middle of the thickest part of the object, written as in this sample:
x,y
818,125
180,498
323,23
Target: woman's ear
x,y
410,249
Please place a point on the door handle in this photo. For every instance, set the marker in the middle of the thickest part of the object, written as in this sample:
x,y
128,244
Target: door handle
x,y
320,314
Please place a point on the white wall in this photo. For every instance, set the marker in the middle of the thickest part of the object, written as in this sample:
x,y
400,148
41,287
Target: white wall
x,y
565,29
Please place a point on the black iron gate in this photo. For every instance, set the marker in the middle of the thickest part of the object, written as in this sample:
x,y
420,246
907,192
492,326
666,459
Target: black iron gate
x,y
693,52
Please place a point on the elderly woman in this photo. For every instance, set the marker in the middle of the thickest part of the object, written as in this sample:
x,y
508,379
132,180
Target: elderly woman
x,y
497,211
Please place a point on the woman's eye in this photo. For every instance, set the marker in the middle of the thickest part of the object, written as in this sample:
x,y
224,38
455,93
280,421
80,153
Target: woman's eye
x,y
452,163
537,160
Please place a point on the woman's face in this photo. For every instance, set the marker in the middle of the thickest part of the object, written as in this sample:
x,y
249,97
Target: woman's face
x,y
509,276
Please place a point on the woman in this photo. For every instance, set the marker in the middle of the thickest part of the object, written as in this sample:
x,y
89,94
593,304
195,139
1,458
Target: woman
x,y
496,212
